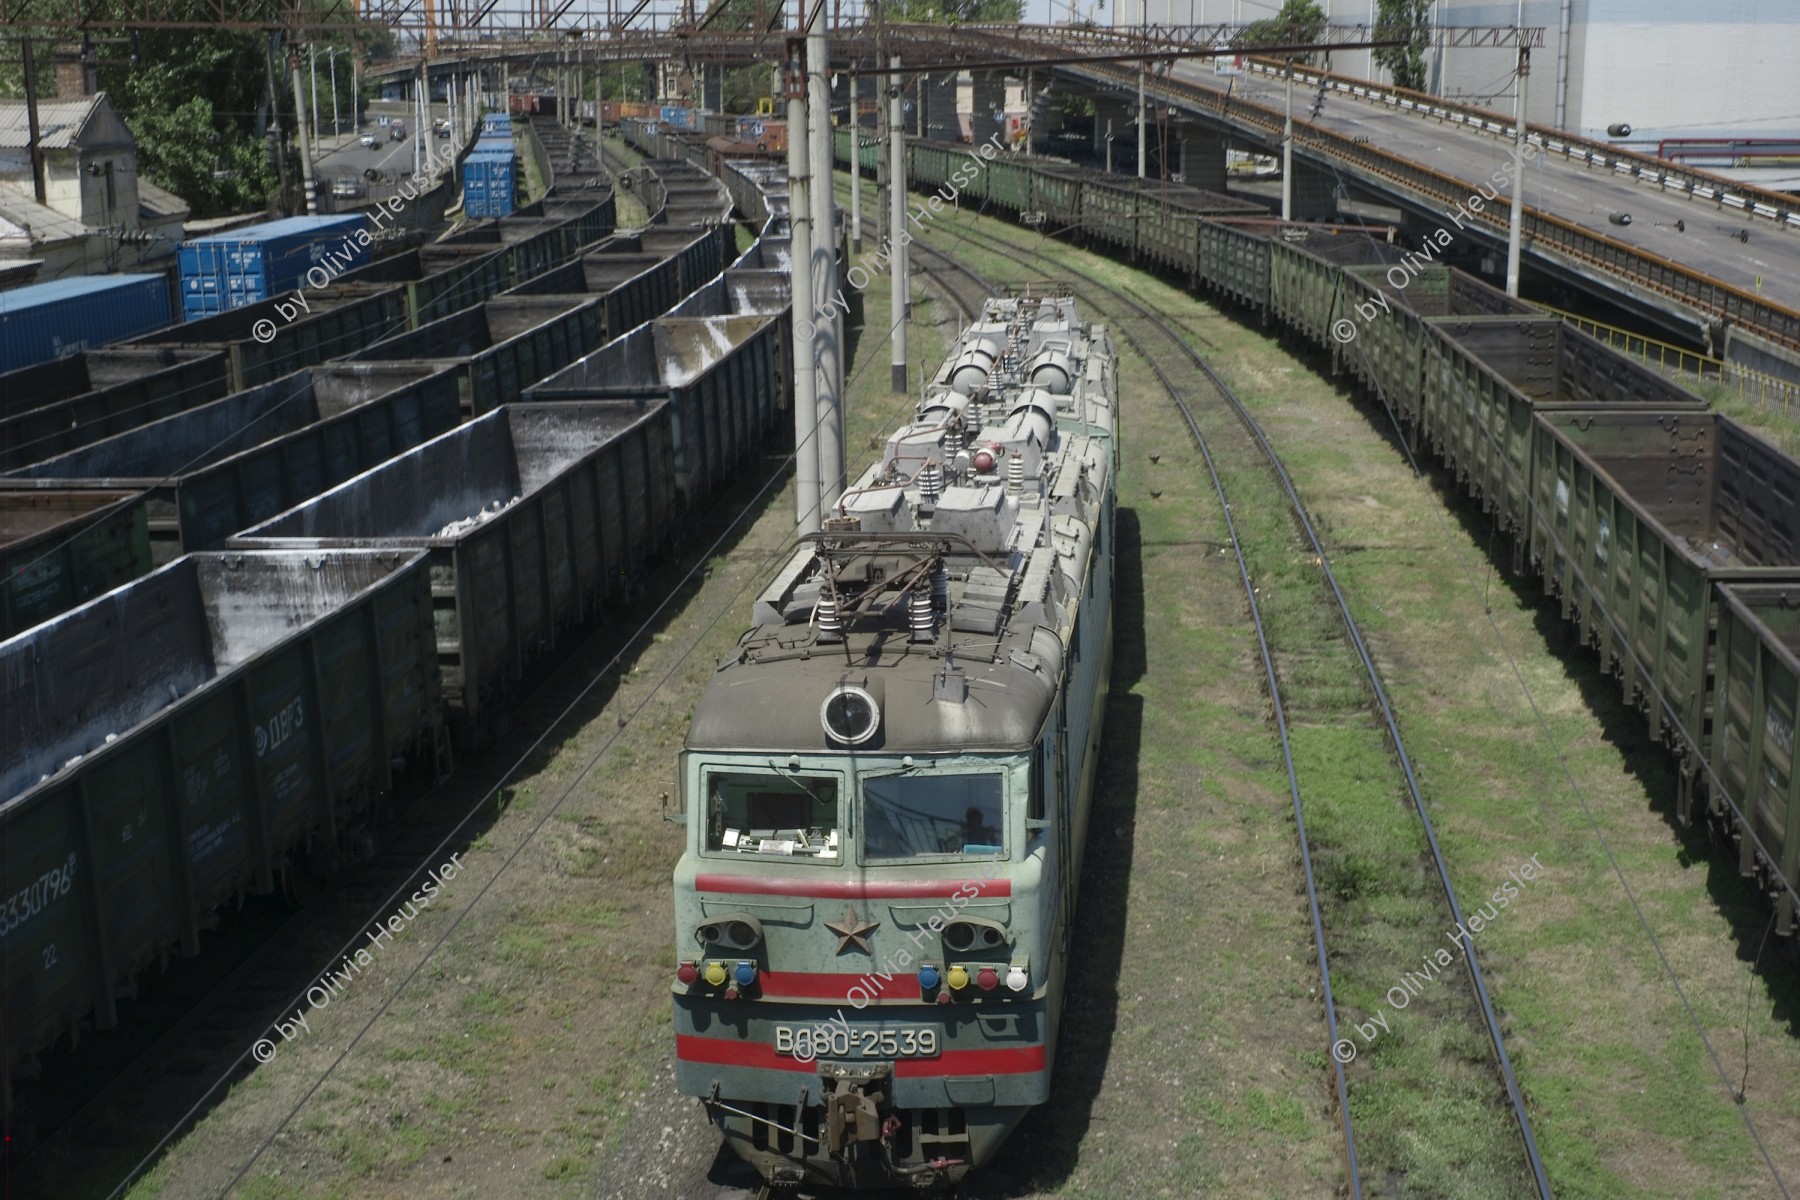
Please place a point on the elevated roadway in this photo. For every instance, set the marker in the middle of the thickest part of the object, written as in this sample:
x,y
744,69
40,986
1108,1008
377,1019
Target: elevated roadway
x,y
1703,256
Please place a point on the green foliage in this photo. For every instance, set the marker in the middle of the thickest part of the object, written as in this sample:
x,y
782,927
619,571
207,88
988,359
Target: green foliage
x,y
1409,19
745,85
958,12
197,100
1298,22
193,101
629,81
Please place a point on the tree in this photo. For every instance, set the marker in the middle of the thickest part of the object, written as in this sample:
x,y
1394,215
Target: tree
x,y
1298,22
958,12
1409,19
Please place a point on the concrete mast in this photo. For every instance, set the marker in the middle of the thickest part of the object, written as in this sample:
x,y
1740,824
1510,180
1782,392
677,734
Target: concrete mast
x,y
829,335
806,445
1515,226
899,281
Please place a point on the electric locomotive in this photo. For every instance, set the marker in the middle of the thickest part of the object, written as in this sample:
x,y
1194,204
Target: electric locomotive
x,y
886,786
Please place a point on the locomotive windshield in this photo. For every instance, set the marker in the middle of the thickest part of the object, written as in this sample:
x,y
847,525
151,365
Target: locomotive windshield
x,y
909,816
765,813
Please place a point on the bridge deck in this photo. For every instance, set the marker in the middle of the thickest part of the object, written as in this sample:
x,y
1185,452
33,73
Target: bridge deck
x,y
1768,264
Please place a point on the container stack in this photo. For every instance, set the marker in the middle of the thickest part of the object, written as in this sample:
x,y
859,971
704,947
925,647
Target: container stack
x,y
66,316
490,172
230,270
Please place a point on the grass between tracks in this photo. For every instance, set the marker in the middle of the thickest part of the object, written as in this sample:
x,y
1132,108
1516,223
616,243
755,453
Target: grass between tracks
x,y
1624,1097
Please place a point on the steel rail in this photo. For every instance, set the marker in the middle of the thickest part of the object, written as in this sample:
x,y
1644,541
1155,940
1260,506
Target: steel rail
x,y
1477,978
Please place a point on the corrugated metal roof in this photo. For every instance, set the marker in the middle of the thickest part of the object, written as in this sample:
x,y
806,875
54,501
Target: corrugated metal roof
x,y
157,202
45,224
59,121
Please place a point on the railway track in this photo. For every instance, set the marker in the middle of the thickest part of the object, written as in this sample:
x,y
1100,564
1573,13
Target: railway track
x,y
1184,373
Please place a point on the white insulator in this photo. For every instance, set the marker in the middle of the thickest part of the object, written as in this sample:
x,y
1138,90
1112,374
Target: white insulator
x,y
831,625
972,416
940,588
921,617
1015,472
931,481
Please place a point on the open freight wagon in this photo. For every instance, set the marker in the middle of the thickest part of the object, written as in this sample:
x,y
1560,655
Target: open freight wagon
x,y
530,517
211,471
176,742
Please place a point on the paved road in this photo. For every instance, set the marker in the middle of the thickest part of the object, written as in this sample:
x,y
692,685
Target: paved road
x,y
346,155
1769,262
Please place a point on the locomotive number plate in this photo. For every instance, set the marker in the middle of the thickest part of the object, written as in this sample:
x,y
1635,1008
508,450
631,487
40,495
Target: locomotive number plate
x,y
806,1042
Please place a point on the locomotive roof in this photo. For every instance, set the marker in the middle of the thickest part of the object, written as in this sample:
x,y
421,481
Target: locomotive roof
x,y
988,502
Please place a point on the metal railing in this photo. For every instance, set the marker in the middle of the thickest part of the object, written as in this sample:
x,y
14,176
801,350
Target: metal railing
x,y
1779,207
1548,235
1685,367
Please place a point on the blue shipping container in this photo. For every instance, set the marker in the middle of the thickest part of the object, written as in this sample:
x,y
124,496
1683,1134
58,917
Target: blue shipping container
x,y
499,123
254,263
66,316
490,178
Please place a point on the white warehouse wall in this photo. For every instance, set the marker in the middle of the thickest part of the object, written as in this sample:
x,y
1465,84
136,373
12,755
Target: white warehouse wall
x,y
1670,68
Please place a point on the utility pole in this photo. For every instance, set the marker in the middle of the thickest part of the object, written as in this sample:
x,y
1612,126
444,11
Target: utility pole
x,y
900,283
306,162
335,127
806,416
31,117
312,69
855,167
1287,150
281,158
830,398
1516,225
1144,35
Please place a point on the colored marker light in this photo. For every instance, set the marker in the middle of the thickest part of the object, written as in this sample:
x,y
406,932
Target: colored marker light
x,y
988,979
928,978
688,973
1016,979
745,974
715,973
958,978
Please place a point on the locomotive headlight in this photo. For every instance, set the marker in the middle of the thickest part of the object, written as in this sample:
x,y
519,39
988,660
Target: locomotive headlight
x,y
850,715
736,932
974,933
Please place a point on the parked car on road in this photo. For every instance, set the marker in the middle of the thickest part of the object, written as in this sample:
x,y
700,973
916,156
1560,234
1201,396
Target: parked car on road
x,y
397,131
349,187
370,140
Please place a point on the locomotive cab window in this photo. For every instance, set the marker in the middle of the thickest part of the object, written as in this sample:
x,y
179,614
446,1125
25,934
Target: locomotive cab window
x,y
915,816
792,815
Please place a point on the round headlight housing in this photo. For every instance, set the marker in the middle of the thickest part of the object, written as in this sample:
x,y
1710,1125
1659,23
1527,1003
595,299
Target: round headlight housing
x,y
850,715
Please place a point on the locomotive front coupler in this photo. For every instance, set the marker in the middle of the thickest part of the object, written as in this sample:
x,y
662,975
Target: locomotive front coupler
x,y
854,1096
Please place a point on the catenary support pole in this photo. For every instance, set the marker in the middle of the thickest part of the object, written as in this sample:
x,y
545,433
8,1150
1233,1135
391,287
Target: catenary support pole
x,y
855,167
1516,225
825,276
900,281
1287,150
806,445
306,162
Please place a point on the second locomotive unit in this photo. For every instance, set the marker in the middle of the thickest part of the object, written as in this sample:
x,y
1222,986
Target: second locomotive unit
x,y
886,787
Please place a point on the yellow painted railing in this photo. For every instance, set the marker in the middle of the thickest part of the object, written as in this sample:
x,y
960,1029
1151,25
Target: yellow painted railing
x,y
1686,367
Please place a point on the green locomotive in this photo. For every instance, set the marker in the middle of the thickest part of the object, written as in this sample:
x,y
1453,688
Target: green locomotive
x,y
886,788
